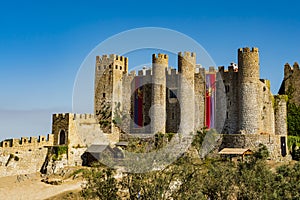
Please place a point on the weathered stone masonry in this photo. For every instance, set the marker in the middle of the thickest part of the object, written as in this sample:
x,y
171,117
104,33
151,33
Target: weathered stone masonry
x,y
247,114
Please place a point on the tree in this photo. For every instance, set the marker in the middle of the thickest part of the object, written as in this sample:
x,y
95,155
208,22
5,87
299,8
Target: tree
x,y
293,119
262,152
101,184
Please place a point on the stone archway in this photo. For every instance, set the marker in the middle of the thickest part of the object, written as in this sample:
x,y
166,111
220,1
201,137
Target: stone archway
x,y
62,137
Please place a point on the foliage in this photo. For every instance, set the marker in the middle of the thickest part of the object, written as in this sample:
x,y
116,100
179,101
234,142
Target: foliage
x,y
294,146
192,178
78,171
293,119
286,184
117,114
198,139
58,151
293,114
293,141
296,154
101,184
254,180
262,152
290,91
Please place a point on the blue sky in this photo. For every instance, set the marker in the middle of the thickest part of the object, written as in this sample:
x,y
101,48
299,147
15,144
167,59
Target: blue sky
x,y
43,43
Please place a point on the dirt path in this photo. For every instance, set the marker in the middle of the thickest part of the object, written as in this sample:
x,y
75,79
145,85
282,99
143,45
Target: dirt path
x,y
31,187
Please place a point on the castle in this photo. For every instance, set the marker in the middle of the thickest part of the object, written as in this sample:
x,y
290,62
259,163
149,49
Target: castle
x,y
235,102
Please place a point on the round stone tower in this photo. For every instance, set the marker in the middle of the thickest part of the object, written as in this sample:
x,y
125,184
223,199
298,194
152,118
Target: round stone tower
x,y
158,113
186,69
248,77
280,109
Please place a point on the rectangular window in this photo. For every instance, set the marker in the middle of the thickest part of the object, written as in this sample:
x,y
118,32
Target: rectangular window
x,y
103,95
227,88
172,93
116,66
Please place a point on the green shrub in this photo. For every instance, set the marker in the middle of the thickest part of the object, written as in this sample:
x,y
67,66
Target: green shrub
x,y
60,150
262,152
293,141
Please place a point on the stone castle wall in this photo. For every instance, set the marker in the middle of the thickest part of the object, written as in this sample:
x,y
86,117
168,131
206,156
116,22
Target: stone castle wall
x,y
15,161
172,103
249,101
252,114
27,143
109,72
81,131
252,141
230,88
165,94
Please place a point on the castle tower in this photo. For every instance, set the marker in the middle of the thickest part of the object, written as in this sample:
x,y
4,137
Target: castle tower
x,y
158,113
108,88
280,110
186,69
248,77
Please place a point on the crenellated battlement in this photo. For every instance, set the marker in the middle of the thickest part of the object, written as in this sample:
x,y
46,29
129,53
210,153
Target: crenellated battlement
x,y
288,70
60,116
160,59
110,58
248,50
187,56
112,61
72,116
230,69
171,71
145,71
186,63
248,64
83,116
31,142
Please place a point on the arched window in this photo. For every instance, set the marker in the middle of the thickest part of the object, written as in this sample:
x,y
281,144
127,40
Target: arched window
x,y
62,137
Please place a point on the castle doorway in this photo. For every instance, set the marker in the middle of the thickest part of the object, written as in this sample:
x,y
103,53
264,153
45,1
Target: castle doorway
x,y
283,146
62,137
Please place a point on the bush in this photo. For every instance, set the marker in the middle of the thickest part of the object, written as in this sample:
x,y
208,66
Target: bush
x,y
262,152
101,184
60,150
293,119
296,154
